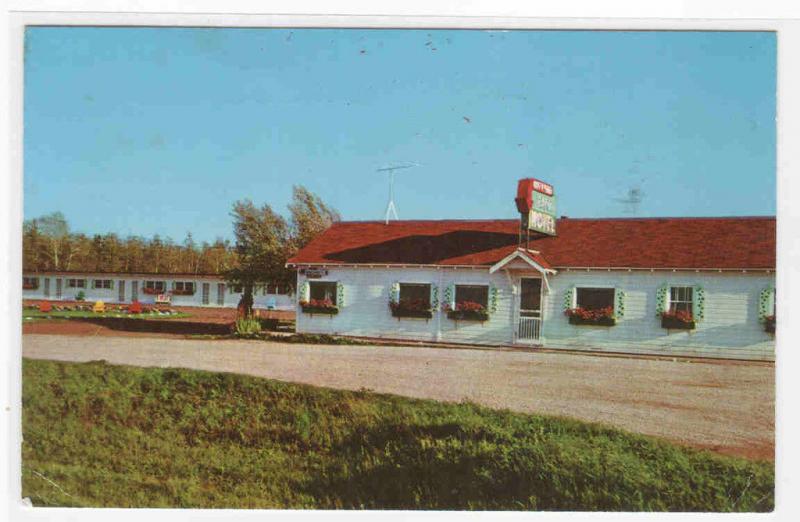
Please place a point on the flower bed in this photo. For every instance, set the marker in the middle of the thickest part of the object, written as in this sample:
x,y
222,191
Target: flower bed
x,y
680,320
467,311
584,316
416,309
769,324
319,306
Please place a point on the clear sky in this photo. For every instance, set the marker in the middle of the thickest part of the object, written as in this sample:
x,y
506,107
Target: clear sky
x,y
152,130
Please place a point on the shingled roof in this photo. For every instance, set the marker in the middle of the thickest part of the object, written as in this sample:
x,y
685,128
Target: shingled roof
x,y
688,243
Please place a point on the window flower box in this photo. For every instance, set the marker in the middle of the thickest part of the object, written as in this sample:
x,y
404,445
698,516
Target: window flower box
x,y
413,309
183,292
152,291
680,320
315,306
30,286
468,315
592,317
769,324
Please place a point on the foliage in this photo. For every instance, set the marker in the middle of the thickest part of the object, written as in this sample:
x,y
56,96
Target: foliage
x,y
135,307
45,307
247,326
589,314
81,296
99,435
410,305
321,306
683,316
310,216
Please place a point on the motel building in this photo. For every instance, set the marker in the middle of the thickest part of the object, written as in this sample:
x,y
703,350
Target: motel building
x,y
173,289
668,286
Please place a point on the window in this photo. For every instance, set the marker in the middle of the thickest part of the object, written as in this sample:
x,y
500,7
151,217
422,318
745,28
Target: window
x,y
184,287
235,289
473,293
30,283
681,298
415,293
102,283
594,298
322,290
76,283
154,286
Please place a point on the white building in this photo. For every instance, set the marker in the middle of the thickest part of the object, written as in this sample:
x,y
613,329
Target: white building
x,y
182,289
714,278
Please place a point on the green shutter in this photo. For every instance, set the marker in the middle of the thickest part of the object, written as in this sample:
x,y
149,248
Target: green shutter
x,y
339,294
304,292
662,299
450,297
569,298
394,293
619,303
434,297
766,303
699,303
492,299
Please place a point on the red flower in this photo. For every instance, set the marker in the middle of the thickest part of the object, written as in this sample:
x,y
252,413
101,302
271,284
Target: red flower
x,y
683,316
590,314
45,307
470,306
318,303
135,307
412,305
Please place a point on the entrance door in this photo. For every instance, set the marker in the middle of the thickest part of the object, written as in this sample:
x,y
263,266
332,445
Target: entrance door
x,y
121,284
59,286
206,292
134,290
220,294
46,287
530,310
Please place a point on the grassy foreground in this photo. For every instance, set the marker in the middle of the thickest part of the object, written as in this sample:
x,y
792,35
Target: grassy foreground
x,y
101,435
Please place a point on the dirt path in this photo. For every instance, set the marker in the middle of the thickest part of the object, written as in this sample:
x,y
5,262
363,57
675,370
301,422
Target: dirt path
x,y
728,408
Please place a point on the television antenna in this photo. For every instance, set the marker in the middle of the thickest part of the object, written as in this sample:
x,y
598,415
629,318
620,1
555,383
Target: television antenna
x,y
391,208
632,200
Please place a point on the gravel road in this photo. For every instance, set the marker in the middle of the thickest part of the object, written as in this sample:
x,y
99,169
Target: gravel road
x,y
726,407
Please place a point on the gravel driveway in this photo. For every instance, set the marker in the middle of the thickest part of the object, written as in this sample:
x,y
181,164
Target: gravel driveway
x,y
726,407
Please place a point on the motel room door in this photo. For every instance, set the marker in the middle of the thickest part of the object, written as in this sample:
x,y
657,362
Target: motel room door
x,y
529,329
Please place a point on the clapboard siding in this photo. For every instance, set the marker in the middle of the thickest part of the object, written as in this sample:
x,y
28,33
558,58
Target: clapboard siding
x,y
261,300
730,328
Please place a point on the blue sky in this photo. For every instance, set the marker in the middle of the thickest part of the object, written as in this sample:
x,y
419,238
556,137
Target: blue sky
x,y
152,130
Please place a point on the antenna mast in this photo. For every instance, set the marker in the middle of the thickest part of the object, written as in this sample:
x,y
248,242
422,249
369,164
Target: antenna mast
x,y
391,208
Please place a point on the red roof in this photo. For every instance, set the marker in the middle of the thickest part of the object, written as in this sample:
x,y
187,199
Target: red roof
x,y
725,243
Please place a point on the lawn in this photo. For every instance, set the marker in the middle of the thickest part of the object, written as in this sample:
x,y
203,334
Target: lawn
x,y
28,315
102,435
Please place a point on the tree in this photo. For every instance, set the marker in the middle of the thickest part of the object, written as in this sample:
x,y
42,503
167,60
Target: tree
x,y
32,244
262,243
310,216
55,230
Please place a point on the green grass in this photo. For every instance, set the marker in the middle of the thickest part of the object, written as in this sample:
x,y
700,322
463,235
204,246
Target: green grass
x,y
101,435
77,314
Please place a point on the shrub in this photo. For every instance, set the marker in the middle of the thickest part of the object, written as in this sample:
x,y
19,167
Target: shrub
x,y
81,296
135,308
247,326
45,307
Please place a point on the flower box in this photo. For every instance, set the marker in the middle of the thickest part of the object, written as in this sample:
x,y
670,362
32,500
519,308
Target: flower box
x,y
598,321
30,286
183,292
673,323
312,309
152,291
406,312
468,315
769,324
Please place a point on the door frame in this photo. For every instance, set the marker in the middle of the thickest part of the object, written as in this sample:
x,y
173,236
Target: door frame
x,y
518,310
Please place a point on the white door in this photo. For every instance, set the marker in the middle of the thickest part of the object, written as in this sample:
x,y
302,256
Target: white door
x,y
529,328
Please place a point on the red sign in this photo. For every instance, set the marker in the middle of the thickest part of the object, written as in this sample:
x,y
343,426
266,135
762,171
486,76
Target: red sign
x,y
544,188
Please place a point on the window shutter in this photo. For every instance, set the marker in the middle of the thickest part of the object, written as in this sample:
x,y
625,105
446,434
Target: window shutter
x,y
434,297
492,299
394,293
450,297
766,303
304,292
699,303
662,299
112,284
569,298
619,303
339,294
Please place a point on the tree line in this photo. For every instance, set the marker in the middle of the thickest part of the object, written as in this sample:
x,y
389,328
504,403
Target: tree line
x,y
264,240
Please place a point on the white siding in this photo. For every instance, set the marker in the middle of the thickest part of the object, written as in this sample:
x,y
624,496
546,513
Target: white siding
x,y
729,329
